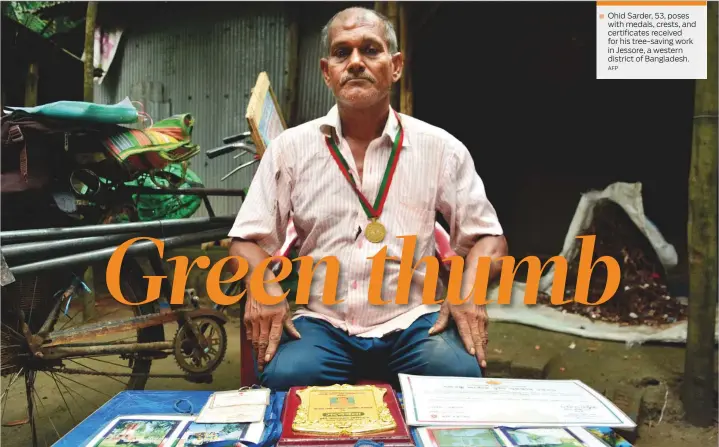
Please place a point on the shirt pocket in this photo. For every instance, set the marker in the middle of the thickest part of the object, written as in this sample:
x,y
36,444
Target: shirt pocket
x,y
416,218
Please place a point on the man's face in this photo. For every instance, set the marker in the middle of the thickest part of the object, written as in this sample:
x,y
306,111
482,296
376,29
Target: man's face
x,y
360,69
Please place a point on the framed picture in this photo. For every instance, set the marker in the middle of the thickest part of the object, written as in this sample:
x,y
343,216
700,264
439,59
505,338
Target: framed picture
x,y
459,437
542,437
141,431
220,435
264,115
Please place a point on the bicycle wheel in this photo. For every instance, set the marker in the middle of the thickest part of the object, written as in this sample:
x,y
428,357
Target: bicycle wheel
x,y
65,391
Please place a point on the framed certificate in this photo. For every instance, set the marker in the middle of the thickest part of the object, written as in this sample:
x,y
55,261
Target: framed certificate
x,y
264,115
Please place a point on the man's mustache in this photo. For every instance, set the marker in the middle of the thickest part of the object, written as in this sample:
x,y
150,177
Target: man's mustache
x,y
348,78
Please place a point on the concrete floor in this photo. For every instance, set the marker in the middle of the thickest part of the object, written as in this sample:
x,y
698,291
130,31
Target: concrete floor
x,y
514,351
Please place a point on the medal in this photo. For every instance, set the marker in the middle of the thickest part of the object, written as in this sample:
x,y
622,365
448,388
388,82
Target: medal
x,y
375,232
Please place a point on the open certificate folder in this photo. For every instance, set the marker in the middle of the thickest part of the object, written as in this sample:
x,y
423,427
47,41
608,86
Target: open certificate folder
x,y
479,402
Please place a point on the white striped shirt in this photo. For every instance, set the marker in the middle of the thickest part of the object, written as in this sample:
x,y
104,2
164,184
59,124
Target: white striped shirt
x,y
298,179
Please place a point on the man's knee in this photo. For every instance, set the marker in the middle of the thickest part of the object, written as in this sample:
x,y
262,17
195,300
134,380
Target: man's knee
x,y
289,368
441,358
317,358
435,355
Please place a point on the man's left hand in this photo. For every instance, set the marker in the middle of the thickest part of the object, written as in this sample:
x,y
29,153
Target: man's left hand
x,y
472,322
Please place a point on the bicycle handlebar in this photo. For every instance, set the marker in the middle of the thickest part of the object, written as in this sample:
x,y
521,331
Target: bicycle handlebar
x,y
236,138
235,142
230,144
222,150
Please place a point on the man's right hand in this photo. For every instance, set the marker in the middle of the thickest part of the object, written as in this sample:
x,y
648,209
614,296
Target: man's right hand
x,y
264,325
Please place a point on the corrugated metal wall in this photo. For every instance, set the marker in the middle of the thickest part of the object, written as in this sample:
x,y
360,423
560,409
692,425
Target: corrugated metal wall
x,y
204,60
205,63
314,98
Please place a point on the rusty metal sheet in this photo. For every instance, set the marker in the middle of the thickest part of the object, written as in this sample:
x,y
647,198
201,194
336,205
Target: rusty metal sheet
x,y
90,331
6,276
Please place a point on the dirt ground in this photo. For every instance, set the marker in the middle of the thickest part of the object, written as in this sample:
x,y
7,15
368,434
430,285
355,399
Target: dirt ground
x,y
514,350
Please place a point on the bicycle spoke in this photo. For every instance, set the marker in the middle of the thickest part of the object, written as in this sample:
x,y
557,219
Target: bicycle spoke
x,y
68,321
86,386
17,374
98,317
18,334
106,361
32,305
6,393
42,404
70,391
91,369
57,385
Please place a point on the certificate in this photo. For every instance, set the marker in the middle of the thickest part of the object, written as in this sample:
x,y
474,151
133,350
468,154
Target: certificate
x,y
227,407
480,402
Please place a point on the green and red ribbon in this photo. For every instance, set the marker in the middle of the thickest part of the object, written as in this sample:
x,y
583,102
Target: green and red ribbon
x,y
373,212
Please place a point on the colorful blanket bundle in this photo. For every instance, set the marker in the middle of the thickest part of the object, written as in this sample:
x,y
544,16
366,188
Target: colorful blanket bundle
x,y
167,141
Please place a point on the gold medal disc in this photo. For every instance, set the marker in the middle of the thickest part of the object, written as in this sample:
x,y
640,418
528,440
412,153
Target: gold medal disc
x,y
375,232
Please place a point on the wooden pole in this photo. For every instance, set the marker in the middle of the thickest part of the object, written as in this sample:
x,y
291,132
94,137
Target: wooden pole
x,y
405,47
90,277
90,20
698,385
31,81
381,7
391,10
292,75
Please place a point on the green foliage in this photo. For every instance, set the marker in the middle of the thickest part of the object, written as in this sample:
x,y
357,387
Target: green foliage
x,y
28,15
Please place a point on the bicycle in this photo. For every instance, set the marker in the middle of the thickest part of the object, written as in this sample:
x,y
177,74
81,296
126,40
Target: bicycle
x,y
42,341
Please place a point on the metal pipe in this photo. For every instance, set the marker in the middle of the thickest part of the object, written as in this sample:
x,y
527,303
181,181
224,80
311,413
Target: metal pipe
x,y
249,163
67,246
23,253
186,191
137,249
44,234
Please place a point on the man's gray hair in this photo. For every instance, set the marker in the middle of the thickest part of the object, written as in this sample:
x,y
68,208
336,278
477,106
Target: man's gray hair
x,y
390,36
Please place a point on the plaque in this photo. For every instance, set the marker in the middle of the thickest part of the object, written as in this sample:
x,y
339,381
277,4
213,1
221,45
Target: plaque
x,y
264,115
343,410
341,415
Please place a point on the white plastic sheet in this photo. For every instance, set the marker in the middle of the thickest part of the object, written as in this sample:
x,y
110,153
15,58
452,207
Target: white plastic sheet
x,y
629,197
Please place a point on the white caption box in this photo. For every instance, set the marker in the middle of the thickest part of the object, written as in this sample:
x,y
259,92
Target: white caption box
x,y
651,40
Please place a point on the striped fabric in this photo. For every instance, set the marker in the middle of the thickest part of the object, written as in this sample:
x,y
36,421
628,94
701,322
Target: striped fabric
x,y
298,177
167,141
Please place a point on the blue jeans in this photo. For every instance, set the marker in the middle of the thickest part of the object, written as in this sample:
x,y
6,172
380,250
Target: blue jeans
x,y
326,355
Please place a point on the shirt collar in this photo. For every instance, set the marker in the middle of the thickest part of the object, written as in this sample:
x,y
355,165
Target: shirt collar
x,y
331,122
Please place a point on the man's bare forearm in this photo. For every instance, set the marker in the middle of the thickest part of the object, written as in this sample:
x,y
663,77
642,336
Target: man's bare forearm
x,y
254,255
493,247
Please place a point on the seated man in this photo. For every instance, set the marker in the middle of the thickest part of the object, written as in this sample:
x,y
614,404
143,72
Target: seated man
x,y
354,182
